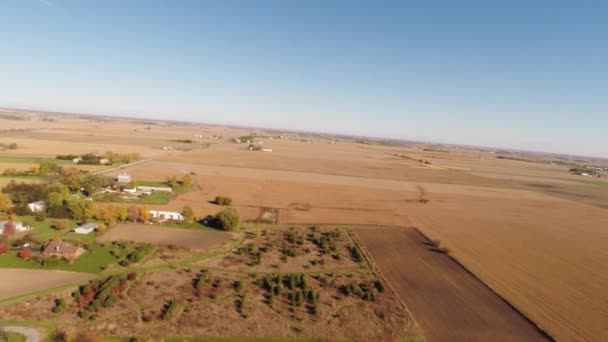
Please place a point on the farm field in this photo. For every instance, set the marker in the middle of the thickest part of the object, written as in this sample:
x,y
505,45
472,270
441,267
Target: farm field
x,y
187,238
16,282
447,301
521,223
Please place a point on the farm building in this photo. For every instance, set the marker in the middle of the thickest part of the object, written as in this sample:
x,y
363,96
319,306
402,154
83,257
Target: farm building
x,y
266,150
124,178
37,206
61,249
19,226
86,228
154,189
166,215
104,161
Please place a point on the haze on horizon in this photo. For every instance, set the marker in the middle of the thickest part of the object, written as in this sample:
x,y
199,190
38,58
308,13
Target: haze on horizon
x,y
516,75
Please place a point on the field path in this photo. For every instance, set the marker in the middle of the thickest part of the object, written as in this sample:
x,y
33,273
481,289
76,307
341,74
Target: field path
x,y
30,334
448,302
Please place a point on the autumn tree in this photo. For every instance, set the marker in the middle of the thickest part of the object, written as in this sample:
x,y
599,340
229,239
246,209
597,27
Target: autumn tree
x,y
5,203
25,253
10,171
172,182
188,213
133,213
61,224
121,214
187,180
4,248
144,214
229,219
71,178
47,167
9,228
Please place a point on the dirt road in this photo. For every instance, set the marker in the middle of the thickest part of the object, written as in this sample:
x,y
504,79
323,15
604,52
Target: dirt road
x,y
448,302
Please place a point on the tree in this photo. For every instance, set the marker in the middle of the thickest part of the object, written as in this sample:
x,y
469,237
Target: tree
x,y
223,200
121,214
71,178
172,182
9,229
228,219
144,214
10,171
188,213
4,248
12,146
5,203
92,183
61,224
25,253
133,213
187,180
101,229
40,215
77,206
47,167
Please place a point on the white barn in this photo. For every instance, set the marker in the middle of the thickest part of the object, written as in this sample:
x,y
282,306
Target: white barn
x,y
166,215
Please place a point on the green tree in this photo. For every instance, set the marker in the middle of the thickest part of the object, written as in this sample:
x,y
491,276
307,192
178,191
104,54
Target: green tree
x,y
77,206
47,167
92,183
229,219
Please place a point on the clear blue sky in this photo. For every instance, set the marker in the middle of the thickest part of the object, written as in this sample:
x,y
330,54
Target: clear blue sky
x,y
518,74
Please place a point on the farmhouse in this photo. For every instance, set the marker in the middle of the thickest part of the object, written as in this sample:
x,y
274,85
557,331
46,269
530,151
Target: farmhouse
x,y
86,228
61,249
124,178
154,189
37,206
166,215
19,226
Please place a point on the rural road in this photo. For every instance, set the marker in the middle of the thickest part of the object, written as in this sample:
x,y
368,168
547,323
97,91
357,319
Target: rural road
x,y
31,334
120,167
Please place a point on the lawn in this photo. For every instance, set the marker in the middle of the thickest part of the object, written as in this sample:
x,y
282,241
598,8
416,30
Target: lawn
x,y
149,183
11,337
188,225
154,198
596,182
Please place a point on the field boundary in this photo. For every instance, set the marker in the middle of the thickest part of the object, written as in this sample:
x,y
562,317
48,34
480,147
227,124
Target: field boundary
x,y
538,328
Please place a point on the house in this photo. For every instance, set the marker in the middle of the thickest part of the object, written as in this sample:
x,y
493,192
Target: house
x,y
124,178
19,226
37,206
86,228
104,161
60,249
166,215
76,160
143,188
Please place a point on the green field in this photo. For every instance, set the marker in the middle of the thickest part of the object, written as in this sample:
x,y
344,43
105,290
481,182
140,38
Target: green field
x,y
154,198
598,183
155,184
11,337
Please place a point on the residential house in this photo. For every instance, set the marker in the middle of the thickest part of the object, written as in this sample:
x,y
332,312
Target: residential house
x,y
37,206
86,228
61,249
104,161
166,215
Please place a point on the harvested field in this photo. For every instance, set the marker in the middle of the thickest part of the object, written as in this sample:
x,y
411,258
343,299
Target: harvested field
x,y
187,238
16,282
448,303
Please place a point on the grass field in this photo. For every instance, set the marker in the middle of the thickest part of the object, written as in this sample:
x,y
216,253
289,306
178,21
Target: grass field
x,y
150,183
11,337
30,160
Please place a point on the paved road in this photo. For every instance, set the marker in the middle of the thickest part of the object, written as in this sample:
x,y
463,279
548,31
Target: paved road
x,y
31,334
120,167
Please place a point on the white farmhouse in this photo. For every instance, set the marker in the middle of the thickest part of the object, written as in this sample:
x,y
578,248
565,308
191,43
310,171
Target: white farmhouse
x,y
86,228
37,206
166,215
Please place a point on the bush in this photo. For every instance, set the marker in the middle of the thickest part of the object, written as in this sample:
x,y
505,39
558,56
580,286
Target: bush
x,y
60,224
60,304
229,219
25,253
40,216
4,248
222,200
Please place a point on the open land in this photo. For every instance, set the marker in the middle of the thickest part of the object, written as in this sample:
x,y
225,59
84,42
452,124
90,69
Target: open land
x,y
522,224
18,282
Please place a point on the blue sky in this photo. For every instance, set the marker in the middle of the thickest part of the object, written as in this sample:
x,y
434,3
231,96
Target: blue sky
x,y
517,74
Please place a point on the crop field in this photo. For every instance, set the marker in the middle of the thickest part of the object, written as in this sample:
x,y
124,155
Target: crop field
x,y
187,238
18,282
522,224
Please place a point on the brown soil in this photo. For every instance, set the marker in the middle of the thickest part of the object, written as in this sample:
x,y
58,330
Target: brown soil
x,y
448,303
16,282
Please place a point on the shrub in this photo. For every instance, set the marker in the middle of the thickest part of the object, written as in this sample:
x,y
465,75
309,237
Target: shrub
x,y
132,276
60,304
60,224
228,219
222,200
25,253
4,248
40,216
